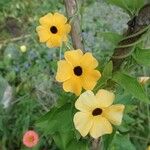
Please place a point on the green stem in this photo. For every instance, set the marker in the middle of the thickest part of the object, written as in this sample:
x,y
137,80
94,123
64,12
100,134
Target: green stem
x,y
130,45
137,33
60,50
124,56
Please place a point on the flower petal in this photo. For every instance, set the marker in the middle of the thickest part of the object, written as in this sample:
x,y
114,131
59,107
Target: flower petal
x,y
59,18
89,61
54,41
43,33
46,20
74,56
67,28
86,102
49,44
63,29
114,113
64,71
100,127
73,85
105,98
83,122
89,79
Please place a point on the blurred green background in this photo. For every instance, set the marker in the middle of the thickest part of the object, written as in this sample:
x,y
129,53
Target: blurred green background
x,y
27,80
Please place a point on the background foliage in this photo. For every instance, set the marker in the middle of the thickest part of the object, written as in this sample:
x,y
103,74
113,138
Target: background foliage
x,y
28,89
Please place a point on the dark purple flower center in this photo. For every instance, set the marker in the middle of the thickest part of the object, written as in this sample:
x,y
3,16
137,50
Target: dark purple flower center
x,y
53,29
77,71
96,112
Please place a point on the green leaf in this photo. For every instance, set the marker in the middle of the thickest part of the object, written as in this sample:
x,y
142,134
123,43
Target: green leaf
x,y
142,56
131,6
63,97
58,123
121,142
67,140
125,98
112,37
47,116
108,140
78,145
106,74
57,119
131,85
63,139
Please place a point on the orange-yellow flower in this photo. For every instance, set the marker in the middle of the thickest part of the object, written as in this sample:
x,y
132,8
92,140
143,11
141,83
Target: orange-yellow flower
x,y
77,71
30,138
53,29
97,113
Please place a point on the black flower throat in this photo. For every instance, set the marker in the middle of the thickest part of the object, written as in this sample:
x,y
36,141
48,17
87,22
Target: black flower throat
x,y
97,112
77,71
53,29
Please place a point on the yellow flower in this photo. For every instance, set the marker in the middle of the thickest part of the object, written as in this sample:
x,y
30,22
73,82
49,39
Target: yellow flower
x,y
77,71
23,48
97,113
53,29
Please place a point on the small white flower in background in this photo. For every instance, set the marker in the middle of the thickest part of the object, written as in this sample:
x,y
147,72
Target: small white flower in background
x,y
23,48
9,55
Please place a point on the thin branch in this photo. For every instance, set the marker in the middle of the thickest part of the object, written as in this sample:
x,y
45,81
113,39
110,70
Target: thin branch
x,y
15,39
96,144
71,9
